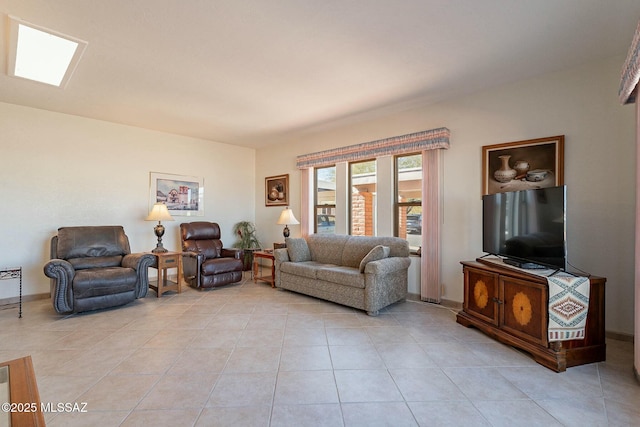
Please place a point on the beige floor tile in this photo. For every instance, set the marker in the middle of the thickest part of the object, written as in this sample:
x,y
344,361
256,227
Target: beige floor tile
x,y
246,416
366,386
447,414
305,387
243,389
180,392
378,414
162,418
324,415
118,392
305,358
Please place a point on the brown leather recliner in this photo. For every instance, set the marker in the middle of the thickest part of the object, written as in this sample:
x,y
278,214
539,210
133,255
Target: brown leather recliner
x,y
205,262
92,267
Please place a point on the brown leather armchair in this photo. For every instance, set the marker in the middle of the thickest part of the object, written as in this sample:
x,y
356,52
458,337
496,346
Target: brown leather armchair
x,y
93,268
205,262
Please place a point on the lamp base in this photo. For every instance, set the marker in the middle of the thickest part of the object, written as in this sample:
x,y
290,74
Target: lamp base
x,y
159,231
286,232
159,249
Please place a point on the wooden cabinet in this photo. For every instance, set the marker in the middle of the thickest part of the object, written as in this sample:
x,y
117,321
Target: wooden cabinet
x,y
511,305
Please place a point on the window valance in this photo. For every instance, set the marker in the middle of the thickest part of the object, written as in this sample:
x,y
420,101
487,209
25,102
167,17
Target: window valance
x,y
413,142
631,72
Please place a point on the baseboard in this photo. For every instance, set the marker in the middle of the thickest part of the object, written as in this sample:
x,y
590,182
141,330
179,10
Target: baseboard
x,y
454,305
618,336
25,298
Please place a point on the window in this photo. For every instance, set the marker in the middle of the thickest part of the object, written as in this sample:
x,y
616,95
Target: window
x,y
408,220
325,199
362,181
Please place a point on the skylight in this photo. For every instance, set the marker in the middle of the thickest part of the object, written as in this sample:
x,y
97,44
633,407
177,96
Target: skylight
x,y
42,55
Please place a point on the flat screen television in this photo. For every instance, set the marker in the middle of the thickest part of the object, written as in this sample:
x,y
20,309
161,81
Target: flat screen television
x,y
527,228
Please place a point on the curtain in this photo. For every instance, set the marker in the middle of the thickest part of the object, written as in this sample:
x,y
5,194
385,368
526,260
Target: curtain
x,y
430,261
631,72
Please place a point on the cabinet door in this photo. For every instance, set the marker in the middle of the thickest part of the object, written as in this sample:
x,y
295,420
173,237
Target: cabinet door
x,y
480,294
524,309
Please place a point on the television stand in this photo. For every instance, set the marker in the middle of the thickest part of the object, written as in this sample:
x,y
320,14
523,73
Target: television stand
x,y
511,306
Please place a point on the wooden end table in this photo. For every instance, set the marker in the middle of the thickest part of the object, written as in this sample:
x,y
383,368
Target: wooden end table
x,y
165,261
256,265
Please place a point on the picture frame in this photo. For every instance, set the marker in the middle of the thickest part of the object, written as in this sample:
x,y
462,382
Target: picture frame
x,y
183,194
276,190
522,165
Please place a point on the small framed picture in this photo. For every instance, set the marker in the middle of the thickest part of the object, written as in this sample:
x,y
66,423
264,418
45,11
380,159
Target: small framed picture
x,y
276,190
522,165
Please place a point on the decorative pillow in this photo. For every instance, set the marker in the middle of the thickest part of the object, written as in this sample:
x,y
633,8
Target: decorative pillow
x,y
378,252
298,249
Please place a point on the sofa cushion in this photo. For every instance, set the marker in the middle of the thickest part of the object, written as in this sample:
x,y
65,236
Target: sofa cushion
x,y
347,276
375,254
304,269
298,250
327,248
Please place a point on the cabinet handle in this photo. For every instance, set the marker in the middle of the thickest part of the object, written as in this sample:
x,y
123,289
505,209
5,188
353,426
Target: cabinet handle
x,y
496,300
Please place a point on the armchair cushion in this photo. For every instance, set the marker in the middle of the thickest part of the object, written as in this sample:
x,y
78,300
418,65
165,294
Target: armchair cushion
x,y
104,281
81,242
96,262
219,265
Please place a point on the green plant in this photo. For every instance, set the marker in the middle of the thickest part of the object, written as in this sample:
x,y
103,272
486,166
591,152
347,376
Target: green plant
x,y
246,234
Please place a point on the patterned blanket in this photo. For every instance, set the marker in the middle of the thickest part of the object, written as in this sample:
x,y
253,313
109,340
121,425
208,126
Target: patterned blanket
x,y
568,307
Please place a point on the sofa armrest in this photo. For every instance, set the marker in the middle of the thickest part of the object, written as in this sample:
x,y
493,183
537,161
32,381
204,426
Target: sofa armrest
x,y
62,273
140,262
279,256
387,265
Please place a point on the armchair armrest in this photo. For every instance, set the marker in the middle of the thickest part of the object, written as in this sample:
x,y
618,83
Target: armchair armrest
x,y
140,262
62,273
232,253
191,266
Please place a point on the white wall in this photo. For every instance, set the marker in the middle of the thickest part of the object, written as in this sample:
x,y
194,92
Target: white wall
x,y
599,169
60,170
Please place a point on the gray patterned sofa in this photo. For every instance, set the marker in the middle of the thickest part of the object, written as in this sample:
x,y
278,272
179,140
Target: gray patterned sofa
x,y
367,273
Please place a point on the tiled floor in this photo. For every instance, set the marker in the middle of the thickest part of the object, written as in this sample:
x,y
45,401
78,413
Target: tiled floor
x,y
250,355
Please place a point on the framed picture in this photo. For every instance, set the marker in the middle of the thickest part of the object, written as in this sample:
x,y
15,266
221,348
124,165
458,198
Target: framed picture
x,y
522,165
183,195
276,189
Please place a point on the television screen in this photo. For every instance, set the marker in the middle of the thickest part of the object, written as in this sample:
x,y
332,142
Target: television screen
x,y
526,227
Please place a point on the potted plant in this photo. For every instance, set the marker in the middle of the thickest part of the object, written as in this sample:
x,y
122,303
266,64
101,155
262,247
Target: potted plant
x,y
245,231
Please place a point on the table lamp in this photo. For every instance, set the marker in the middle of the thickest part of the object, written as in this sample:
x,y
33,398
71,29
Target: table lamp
x,y
286,218
159,213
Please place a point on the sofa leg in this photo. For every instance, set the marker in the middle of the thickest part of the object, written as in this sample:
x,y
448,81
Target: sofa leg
x,y
373,313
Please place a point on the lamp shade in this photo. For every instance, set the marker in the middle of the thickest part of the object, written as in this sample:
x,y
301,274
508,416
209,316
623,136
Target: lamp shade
x,y
159,212
287,218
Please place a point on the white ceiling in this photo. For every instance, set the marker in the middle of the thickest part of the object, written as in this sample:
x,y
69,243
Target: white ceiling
x,y
255,72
